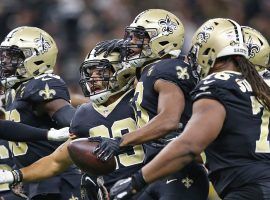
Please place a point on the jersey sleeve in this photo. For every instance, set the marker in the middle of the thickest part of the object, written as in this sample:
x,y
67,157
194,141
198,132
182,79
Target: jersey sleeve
x,y
175,71
76,127
46,88
213,88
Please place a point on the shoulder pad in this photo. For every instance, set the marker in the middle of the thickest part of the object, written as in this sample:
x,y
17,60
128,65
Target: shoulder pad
x,y
45,87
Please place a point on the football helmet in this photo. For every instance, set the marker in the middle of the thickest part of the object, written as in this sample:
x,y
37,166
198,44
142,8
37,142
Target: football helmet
x,y
216,38
258,47
26,52
158,32
113,76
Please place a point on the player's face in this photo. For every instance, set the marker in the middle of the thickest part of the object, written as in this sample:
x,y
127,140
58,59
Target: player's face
x,y
9,61
136,42
99,79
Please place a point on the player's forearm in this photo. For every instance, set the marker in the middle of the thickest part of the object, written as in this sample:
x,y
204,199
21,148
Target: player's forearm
x,y
42,169
156,128
172,158
48,166
19,132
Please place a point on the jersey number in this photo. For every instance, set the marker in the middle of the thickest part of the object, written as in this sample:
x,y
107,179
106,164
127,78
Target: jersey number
x,y
142,116
4,154
17,148
263,144
119,128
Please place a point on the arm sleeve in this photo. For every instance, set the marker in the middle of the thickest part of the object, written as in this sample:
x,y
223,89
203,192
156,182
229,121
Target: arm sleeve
x,y
18,132
64,115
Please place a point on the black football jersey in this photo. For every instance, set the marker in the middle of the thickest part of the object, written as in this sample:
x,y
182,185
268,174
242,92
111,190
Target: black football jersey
x,y
115,120
21,106
145,101
241,152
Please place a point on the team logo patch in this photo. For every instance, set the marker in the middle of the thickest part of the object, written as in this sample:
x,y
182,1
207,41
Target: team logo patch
x,y
204,35
182,72
252,48
187,182
73,197
43,45
168,26
47,93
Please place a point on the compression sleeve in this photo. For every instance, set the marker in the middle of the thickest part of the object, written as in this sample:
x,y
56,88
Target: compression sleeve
x,y
63,116
18,132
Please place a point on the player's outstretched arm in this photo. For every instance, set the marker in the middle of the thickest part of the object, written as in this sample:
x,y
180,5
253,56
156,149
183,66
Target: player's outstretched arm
x,y
46,167
18,132
171,103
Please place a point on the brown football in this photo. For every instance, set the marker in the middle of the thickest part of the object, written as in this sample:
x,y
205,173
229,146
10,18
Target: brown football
x,y
80,151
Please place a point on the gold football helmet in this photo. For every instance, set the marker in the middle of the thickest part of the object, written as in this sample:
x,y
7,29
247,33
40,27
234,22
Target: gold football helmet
x,y
113,75
258,47
214,39
163,30
26,52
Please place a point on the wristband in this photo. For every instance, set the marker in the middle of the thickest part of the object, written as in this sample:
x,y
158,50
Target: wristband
x,y
18,176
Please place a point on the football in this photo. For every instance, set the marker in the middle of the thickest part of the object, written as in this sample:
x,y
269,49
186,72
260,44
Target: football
x,y
80,151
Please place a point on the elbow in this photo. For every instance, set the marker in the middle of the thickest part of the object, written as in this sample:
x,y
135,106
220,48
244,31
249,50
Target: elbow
x,y
193,150
171,125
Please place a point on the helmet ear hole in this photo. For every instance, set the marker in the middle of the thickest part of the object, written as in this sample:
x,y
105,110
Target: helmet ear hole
x,y
206,52
164,43
39,62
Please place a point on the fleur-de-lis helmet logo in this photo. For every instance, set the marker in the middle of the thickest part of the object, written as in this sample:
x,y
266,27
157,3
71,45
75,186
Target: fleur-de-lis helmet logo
x,y
43,45
252,47
168,26
204,35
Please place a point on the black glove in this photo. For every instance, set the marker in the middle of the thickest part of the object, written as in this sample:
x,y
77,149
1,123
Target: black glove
x,y
126,188
109,46
107,147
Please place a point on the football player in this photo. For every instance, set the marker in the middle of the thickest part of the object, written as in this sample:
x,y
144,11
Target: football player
x,y
161,102
110,87
36,97
230,120
259,51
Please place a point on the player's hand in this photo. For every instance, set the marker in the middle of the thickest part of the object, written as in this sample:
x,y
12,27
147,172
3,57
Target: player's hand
x,y
126,188
107,147
108,46
58,135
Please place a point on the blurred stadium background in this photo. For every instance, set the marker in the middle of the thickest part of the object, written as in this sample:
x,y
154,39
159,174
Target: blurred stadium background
x,y
77,25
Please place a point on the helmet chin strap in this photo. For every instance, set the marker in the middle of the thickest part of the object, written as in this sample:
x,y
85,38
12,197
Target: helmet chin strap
x,y
101,98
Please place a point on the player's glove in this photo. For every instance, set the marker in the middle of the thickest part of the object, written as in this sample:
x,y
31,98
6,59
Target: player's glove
x,y
107,147
126,188
58,135
109,46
